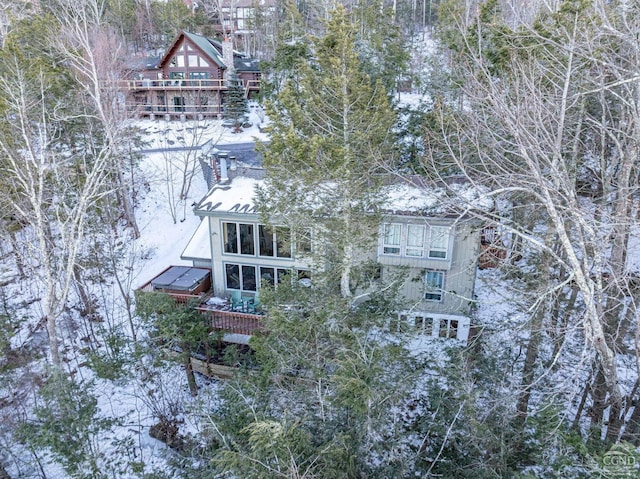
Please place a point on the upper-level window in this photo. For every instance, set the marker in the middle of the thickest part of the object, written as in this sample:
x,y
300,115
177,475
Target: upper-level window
x,y
241,238
303,241
438,242
193,60
274,241
391,240
238,238
414,240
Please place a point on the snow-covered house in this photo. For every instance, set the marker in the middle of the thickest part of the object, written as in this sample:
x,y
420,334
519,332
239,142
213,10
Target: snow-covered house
x,y
435,252
189,80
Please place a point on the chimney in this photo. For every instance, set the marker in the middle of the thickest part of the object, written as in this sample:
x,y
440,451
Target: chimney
x,y
227,55
222,157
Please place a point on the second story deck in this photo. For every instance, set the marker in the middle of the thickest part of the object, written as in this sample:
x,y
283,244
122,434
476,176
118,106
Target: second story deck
x,y
177,85
220,314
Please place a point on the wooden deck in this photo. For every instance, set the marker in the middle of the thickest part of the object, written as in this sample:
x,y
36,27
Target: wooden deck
x,y
233,321
179,84
218,314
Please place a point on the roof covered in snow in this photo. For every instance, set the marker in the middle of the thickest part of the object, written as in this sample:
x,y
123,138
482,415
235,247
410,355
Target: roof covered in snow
x,y
198,247
405,197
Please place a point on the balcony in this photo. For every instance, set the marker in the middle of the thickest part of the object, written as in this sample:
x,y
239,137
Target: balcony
x,y
179,84
190,286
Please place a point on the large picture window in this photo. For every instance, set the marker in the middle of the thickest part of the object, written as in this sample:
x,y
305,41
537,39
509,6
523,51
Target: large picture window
x,y
434,282
274,241
238,238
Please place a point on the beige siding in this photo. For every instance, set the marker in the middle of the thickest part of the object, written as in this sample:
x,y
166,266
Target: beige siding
x,y
458,269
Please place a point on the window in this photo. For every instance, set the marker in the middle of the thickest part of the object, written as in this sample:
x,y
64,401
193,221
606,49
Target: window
x,y
399,324
242,277
431,325
283,242
411,240
180,60
178,103
434,281
438,242
265,240
162,103
272,276
448,328
415,240
391,241
274,241
193,60
424,325
303,244
197,78
238,237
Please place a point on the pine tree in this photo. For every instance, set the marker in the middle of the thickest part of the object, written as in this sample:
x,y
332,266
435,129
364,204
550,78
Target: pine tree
x,y
331,144
235,104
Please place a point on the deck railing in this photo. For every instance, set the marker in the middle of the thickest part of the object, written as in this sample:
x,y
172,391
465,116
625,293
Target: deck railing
x,y
233,321
217,317
183,84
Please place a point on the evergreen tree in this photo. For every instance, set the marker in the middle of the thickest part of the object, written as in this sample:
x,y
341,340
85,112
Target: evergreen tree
x,y
331,144
324,401
235,104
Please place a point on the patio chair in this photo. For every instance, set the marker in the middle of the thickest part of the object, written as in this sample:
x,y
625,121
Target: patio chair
x,y
236,301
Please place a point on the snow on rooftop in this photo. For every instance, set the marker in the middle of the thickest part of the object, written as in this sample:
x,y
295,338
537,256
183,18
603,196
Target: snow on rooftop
x,y
235,197
199,246
405,197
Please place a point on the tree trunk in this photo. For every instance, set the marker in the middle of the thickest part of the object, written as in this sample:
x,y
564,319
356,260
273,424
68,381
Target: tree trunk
x,y
632,428
127,207
598,395
188,368
528,371
52,331
87,305
16,253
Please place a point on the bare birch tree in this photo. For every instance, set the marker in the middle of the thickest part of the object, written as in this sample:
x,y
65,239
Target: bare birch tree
x,y
549,125
95,54
50,188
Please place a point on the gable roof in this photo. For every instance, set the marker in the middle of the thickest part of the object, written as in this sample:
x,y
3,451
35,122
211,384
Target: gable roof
x,y
207,47
213,50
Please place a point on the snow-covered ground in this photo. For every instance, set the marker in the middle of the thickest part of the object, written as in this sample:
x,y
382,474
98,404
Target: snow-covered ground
x,y
166,224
